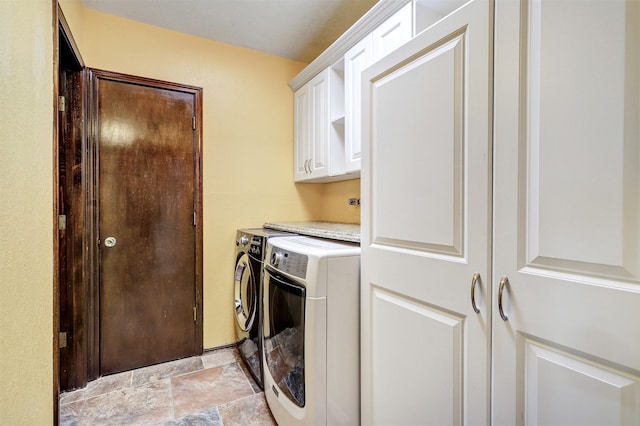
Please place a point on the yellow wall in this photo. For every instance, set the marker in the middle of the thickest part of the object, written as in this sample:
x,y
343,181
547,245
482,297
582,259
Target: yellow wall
x,y
247,136
26,206
334,203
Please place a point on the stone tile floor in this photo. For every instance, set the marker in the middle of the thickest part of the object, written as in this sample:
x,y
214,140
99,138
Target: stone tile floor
x,y
212,389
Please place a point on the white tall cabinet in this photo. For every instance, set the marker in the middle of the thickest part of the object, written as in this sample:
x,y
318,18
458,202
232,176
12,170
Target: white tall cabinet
x,y
501,219
567,213
425,227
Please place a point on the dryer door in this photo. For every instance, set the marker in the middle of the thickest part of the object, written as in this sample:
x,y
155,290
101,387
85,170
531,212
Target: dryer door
x,y
245,294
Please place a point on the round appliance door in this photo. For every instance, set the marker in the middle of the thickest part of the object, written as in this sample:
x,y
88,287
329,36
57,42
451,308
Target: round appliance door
x,y
284,311
245,294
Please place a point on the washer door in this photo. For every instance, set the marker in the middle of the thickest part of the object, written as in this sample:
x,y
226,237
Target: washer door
x,y
245,293
284,310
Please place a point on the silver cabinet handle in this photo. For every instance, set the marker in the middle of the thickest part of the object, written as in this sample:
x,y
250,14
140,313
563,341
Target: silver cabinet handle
x,y
306,170
110,241
474,281
503,281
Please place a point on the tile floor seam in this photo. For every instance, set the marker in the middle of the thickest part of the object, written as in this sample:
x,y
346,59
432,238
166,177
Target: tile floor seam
x,y
173,407
219,415
183,374
236,400
85,399
129,386
248,380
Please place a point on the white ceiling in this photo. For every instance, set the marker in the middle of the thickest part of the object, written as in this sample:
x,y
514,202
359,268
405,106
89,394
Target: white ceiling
x,y
294,29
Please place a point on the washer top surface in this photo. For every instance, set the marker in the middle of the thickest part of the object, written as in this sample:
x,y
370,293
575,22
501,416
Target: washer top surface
x,y
316,247
263,232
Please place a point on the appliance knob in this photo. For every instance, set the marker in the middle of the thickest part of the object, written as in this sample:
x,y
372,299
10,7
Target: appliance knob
x,y
276,258
244,240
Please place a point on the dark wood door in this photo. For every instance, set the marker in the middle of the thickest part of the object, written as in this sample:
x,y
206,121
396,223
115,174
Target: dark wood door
x,y
147,157
71,242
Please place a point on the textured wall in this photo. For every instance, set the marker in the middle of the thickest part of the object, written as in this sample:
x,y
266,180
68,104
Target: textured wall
x,y
247,135
26,205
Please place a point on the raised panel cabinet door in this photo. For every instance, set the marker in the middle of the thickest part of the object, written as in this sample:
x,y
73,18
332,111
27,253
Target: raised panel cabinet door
x,y
320,116
356,60
302,136
392,33
425,227
566,349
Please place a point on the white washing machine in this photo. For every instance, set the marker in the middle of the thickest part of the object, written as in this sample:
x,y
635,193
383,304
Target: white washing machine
x,y
311,331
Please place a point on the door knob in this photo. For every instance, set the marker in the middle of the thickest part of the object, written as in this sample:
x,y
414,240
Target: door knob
x,y
110,241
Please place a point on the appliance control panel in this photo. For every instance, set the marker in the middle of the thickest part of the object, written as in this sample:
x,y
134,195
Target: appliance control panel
x,y
289,262
256,247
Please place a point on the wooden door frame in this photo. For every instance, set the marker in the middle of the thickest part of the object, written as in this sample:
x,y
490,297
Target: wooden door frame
x,y
66,55
92,216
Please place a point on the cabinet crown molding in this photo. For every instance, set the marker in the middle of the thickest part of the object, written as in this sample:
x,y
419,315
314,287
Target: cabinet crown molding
x,y
365,25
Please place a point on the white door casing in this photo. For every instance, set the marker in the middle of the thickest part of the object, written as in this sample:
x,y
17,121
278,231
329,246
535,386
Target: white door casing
x,y
426,226
567,213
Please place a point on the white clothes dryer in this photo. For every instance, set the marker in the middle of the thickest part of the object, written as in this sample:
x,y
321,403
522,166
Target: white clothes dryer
x,y
312,331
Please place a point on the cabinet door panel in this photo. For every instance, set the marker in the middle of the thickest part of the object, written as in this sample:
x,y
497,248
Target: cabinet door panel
x,y
567,212
356,60
319,95
425,173
425,147
392,33
301,133
398,323
562,388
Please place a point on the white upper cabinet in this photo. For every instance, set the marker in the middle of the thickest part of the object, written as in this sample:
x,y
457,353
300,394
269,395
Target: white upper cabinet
x,y
390,35
327,115
319,128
